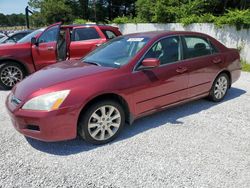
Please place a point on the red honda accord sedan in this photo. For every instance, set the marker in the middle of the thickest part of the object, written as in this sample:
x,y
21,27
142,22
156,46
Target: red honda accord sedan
x,y
127,78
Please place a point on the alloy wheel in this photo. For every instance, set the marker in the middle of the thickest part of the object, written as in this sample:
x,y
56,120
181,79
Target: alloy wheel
x,y
104,122
221,87
11,75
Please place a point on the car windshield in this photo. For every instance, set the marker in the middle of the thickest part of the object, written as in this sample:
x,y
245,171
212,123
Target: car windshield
x,y
28,37
3,39
117,52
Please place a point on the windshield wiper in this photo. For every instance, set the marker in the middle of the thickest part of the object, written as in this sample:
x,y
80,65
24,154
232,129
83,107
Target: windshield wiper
x,y
92,63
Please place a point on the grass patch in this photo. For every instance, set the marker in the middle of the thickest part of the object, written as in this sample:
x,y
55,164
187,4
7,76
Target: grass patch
x,y
245,66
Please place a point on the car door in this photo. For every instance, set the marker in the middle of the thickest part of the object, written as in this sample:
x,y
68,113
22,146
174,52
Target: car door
x,y
83,41
44,52
202,61
163,85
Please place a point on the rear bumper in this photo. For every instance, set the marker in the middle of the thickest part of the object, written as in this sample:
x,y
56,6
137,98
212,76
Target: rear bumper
x,y
51,126
235,75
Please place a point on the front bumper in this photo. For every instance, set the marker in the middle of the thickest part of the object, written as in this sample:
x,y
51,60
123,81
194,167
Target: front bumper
x,y
46,126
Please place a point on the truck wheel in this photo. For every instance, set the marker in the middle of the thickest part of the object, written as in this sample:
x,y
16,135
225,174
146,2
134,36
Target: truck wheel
x,y
10,74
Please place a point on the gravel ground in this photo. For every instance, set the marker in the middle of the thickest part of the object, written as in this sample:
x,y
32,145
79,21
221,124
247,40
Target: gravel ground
x,y
199,144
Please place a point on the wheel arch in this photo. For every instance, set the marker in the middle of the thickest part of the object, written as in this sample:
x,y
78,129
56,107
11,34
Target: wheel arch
x,y
25,68
110,96
227,72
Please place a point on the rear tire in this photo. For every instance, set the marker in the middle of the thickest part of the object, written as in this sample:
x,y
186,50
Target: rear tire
x,y
219,88
10,74
101,122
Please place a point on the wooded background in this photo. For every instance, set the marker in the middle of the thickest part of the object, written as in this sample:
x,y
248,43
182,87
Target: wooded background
x,y
232,12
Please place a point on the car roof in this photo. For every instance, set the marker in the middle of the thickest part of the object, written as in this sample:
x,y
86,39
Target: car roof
x,y
84,25
156,34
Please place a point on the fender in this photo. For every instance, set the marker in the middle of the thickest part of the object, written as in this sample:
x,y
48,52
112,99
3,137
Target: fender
x,y
127,100
227,72
28,69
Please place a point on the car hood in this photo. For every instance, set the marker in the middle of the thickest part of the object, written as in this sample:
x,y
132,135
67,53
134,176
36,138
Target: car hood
x,y
56,74
9,49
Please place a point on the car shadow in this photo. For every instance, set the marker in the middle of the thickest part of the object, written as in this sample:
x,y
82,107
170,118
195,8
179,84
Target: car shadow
x,y
171,115
2,89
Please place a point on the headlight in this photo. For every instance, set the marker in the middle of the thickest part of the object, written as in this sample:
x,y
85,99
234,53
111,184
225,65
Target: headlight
x,y
48,102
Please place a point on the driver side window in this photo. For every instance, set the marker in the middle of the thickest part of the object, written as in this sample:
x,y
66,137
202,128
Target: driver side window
x,y
167,50
49,35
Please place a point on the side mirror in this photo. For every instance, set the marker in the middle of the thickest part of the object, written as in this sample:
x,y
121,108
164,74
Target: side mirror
x,y
150,63
34,41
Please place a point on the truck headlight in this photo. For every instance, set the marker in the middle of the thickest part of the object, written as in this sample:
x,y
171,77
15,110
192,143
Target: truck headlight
x,y
47,102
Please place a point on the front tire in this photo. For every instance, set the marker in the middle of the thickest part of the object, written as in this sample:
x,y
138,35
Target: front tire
x,y
101,122
10,74
219,88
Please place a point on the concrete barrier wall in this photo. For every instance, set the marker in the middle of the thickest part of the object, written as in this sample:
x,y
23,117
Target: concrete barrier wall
x,y
227,35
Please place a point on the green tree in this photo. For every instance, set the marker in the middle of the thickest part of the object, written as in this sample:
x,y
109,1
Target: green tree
x,y
3,20
51,11
145,9
12,20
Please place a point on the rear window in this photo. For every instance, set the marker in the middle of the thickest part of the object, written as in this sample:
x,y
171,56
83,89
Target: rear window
x,y
81,34
109,34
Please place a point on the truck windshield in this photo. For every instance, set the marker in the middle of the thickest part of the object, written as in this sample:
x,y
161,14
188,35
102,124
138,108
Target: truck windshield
x,y
28,37
117,52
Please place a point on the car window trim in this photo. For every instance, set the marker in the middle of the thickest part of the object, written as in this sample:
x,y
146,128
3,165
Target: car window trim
x,y
106,35
135,69
57,36
84,40
201,37
214,47
74,29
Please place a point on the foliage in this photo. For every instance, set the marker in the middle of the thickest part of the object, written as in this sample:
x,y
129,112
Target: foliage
x,y
50,12
80,21
122,20
167,11
232,12
195,11
127,19
245,66
239,18
94,10
205,18
12,20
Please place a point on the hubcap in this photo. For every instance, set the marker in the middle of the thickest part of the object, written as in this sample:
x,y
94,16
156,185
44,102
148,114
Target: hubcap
x,y
220,87
104,122
11,75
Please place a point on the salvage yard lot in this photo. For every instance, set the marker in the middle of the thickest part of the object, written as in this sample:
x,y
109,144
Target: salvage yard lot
x,y
199,144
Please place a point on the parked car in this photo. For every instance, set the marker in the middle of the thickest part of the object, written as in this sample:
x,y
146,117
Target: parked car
x,y
13,38
47,46
127,78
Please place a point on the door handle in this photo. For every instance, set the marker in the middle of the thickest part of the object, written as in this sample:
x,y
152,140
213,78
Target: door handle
x,y
181,69
217,61
50,48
